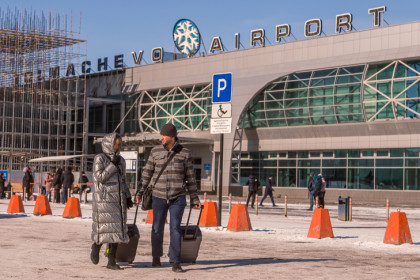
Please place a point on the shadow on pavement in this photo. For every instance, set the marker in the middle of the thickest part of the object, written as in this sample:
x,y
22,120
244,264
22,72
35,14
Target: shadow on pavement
x,y
138,265
10,216
346,237
214,264
360,227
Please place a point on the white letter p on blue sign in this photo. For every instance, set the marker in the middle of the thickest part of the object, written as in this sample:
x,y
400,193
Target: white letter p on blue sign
x,y
222,88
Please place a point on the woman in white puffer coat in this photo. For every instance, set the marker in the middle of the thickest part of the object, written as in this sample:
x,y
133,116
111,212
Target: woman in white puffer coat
x,y
111,198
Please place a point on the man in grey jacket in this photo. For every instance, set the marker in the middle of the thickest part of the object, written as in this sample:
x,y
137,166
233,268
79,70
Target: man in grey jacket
x,y
111,198
169,193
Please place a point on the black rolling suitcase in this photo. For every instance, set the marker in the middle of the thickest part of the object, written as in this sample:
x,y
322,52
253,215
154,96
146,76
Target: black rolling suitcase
x,y
191,241
126,252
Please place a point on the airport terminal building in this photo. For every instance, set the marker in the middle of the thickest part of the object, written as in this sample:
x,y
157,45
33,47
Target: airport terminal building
x,y
344,105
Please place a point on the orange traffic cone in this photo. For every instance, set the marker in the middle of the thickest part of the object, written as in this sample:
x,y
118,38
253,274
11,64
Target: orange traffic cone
x,y
321,224
239,218
15,205
209,215
149,219
42,206
397,231
72,209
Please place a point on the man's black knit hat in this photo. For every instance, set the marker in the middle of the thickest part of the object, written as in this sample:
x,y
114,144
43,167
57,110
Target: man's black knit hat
x,y
169,130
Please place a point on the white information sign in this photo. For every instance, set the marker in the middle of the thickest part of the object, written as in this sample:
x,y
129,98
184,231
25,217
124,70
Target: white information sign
x,y
221,110
221,126
130,160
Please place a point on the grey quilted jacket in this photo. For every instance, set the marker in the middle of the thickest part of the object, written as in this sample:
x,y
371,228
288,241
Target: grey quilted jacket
x,y
177,178
110,193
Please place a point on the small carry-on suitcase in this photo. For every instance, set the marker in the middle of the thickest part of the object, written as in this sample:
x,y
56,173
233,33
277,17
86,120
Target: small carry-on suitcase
x,y
191,241
126,252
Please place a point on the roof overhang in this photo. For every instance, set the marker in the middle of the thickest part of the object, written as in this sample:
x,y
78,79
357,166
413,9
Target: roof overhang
x,y
59,158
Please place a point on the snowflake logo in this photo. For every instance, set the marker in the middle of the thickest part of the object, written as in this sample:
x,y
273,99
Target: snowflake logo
x,y
186,37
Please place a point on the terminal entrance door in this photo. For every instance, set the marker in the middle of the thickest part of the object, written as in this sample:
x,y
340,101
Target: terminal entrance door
x,y
197,172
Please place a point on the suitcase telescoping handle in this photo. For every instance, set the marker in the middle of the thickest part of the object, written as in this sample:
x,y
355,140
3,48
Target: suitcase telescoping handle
x,y
188,221
135,216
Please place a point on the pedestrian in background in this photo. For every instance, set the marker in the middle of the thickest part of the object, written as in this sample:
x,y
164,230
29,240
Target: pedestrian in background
x,y
67,178
169,193
321,193
83,180
111,198
57,184
268,190
2,180
49,177
253,185
27,181
311,190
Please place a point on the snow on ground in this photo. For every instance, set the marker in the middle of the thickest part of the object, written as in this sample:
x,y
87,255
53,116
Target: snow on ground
x,y
51,247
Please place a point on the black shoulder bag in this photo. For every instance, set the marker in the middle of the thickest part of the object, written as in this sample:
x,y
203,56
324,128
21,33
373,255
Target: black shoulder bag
x,y
147,194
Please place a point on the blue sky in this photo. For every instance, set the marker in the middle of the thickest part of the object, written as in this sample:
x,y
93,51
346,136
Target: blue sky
x,y
120,27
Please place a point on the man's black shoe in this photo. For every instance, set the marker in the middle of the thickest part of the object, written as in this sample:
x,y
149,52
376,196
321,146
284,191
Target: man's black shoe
x,y
112,265
176,267
156,262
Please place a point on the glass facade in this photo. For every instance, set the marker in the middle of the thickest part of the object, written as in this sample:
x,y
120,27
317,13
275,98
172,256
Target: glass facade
x,y
395,169
348,94
188,108
338,95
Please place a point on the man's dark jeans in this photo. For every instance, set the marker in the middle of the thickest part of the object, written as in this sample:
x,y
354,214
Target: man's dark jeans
x,y
160,210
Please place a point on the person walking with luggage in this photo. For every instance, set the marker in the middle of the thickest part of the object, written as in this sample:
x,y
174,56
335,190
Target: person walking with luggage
x,y
253,185
48,184
111,199
56,183
268,190
67,178
169,193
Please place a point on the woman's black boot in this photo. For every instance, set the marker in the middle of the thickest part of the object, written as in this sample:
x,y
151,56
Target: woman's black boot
x,y
94,254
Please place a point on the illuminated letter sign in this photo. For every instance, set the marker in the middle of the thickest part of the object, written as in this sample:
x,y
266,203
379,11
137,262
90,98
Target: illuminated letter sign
x,y
282,30
137,59
343,21
377,15
237,42
216,45
104,64
84,69
70,70
119,61
157,54
317,31
257,36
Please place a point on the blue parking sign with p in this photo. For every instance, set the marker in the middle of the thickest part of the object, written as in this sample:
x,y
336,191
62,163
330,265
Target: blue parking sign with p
x,y
222,87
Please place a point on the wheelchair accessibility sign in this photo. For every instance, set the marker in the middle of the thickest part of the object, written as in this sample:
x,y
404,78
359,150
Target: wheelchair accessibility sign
x,y
221,110
222,88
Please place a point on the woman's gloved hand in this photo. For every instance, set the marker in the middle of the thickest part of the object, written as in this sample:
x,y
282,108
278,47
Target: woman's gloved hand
x,y
116,160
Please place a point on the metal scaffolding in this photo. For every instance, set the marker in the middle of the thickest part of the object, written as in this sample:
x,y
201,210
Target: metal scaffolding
x,y
41,90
